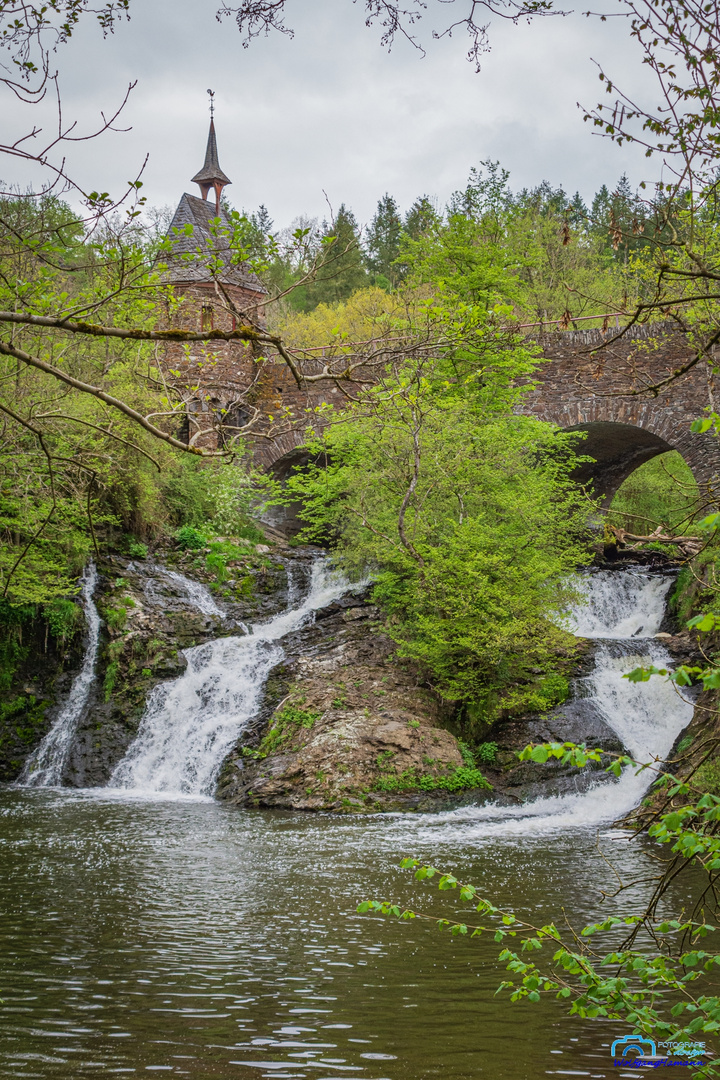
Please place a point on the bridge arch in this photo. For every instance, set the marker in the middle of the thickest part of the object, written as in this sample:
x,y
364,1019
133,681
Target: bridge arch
x,y
617,450
590,383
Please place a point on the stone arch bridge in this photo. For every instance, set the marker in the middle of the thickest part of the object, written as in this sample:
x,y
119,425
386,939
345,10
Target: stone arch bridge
x,y
586,384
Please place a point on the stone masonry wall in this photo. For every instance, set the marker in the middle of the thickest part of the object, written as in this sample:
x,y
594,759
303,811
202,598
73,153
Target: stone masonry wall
x,y
587,382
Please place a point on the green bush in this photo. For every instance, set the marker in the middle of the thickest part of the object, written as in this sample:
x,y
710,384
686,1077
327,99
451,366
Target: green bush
x,y
221,553
251,532
190,538
213,495
487,752
707,778
63,618
284,724
466,754
137,550
216,563
553,690
111,674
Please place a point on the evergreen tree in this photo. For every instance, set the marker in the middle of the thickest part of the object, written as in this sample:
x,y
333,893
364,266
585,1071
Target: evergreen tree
x,y
620,220
341,271
383,241
577,212
262,221
421,217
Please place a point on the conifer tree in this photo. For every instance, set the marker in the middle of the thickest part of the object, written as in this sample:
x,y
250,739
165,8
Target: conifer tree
x,y
342,270
421,217
383,241
620,220
577,212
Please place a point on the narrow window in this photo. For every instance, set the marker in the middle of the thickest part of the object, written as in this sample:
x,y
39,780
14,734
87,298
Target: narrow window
x,y
206,318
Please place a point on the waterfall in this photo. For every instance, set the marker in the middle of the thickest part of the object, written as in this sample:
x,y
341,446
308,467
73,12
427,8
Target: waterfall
x,y
198,595
620,604
45,766
191,723
623,610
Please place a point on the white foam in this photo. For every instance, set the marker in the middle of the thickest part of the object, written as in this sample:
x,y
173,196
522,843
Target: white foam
x,y
619,604
45,766
198,595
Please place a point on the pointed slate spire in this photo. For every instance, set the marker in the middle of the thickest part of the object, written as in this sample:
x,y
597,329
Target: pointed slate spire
x,y
211,175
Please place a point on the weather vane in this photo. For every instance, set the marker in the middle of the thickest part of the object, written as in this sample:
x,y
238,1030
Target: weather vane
x,y
212,102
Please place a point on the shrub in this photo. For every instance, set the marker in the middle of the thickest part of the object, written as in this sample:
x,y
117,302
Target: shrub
x,y
707,778
111,674
466,754
487,752
63,617
188,537
116,617
137,550
284,724
251,532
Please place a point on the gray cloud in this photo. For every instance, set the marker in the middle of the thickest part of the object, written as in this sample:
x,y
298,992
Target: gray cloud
x,y
331,110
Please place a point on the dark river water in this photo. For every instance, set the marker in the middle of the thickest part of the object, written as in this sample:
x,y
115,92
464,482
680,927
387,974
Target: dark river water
x,y
199,940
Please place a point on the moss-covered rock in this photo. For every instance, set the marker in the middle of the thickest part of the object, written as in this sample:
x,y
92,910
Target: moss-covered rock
x,y
354,731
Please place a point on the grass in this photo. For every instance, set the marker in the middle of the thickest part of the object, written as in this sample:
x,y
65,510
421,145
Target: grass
x,y
285,723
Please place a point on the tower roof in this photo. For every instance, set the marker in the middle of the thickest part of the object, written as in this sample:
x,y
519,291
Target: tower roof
x,y
211,175
192,249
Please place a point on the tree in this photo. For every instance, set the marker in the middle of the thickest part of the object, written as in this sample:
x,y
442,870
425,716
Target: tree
x,y
256,17
340,271
383,241
680,44
470,523
577,212
465,512
486,194
421,217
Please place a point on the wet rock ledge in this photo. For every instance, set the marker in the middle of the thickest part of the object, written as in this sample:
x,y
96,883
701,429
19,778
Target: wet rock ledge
x,y
345,726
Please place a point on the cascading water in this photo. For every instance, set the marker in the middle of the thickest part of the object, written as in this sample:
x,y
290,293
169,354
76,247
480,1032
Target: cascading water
x,y
44,768
624,609
197,594
191,723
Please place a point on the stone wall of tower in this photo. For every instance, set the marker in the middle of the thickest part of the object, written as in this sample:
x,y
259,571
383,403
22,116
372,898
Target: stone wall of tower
x,y
217,377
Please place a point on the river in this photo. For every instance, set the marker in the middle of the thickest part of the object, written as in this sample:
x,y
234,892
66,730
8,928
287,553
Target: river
x,y
151,932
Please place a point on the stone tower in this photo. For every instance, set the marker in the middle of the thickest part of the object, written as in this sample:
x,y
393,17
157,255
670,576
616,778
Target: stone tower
x,y
210,293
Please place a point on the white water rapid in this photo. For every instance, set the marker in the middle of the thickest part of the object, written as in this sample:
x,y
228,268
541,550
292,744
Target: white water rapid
x,y
44,768
191,723
198,595
624,610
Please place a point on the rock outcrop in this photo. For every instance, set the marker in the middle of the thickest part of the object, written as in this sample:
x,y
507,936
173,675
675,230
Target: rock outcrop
x,y
347,726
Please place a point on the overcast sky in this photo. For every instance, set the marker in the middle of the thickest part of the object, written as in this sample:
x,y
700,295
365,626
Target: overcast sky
x,y
331,111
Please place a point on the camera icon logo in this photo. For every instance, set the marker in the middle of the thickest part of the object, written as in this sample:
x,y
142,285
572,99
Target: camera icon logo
x,y
643,1047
